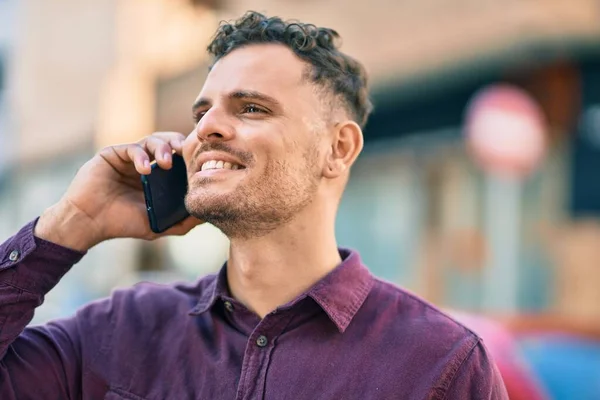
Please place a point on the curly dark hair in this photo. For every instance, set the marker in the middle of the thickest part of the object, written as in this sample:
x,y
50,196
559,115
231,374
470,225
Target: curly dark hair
x,y
335,71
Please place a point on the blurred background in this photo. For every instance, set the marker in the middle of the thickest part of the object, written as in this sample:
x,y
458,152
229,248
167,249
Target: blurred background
x,y
479,186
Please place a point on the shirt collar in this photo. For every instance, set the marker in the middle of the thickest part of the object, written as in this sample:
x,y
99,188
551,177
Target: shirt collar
x,y
216,287
340,293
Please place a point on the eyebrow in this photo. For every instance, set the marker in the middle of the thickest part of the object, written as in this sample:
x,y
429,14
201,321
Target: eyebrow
x,y
239,95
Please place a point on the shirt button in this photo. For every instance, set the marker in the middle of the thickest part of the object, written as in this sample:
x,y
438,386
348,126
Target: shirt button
x,y
229,306
262,341
14,255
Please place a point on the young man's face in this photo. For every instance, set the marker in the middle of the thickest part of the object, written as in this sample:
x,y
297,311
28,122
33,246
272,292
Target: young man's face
x,y
256,113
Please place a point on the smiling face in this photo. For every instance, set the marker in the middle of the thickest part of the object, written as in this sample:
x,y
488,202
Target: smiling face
x,y
256,156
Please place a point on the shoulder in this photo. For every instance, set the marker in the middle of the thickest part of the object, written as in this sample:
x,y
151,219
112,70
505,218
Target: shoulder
x,y
411,312
413,329
145,302
409,333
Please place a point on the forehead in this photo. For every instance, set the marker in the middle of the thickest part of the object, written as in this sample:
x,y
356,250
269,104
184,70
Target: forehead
x,y
271,69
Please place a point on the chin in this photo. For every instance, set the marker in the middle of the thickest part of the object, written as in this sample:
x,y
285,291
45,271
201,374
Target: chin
x,y
200,200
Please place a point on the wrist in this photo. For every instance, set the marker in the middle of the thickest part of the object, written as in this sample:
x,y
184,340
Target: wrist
x,y
66,226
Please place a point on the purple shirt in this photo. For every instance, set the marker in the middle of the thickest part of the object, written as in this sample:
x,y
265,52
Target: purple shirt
x,y
351,336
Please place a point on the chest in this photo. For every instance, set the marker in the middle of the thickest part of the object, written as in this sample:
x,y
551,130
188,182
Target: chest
x,y
211,359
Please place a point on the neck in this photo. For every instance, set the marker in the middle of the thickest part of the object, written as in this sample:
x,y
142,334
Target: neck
x,y
269,271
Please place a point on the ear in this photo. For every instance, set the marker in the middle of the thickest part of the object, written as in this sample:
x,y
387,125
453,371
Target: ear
x,y
346,145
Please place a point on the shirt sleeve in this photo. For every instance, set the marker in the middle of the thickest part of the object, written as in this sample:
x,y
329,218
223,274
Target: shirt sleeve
x,y
42,362
477,378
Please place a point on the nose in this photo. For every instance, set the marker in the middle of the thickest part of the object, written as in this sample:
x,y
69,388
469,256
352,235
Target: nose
x,y
214,126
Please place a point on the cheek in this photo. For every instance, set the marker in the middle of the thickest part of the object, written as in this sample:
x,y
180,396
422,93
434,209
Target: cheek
x,y
298,160
189,146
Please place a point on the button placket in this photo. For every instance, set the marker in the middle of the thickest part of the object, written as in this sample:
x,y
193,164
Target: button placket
x,y
262,341
258,353
14,255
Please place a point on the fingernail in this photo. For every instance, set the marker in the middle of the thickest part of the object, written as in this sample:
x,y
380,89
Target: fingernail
x,y
146,164
167,156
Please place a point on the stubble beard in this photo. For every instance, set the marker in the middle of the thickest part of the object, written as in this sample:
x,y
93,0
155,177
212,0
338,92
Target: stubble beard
x,y
258,207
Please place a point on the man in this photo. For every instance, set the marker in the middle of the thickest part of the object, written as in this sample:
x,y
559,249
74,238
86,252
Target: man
x,y
290,316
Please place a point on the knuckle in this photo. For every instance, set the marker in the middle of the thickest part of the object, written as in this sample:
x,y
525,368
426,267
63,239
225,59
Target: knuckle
x,y
106,150
149,139
157,142
135,147
109,152
144,139
110,149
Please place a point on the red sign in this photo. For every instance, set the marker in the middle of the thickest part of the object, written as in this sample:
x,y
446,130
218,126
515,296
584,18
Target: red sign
x,y
505,130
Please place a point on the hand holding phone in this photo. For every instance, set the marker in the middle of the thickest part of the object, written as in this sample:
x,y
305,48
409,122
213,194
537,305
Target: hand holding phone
x,y
105,199
164,192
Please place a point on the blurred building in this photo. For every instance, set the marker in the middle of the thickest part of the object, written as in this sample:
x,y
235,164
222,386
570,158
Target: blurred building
x,y
79,75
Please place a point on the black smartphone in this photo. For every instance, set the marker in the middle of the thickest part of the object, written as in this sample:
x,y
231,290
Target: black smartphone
x,y
165,190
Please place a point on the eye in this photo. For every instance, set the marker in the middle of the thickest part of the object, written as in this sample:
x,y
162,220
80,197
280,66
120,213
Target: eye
x,y
197,116
253,109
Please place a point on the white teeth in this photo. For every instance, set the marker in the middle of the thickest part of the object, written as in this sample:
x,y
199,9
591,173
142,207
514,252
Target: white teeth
x,y
214,164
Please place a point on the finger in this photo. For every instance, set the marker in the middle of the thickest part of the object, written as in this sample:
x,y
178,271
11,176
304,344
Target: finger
x,y
159,149
140,158
175,140
121,155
